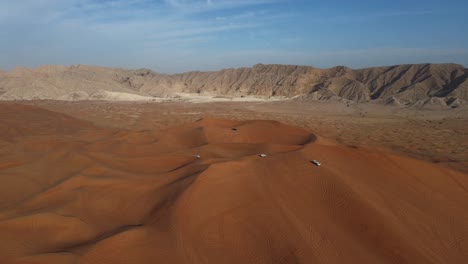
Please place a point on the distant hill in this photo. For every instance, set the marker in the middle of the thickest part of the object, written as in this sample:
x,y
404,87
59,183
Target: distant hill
x,y
414,84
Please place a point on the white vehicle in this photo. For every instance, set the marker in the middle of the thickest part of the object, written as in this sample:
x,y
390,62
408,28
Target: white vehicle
x,y
197,156
263,155
317,163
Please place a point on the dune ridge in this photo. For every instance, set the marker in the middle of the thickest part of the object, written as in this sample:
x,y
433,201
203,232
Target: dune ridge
x,y
439,85
73,192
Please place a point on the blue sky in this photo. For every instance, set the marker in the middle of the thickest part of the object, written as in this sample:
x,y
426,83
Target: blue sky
x,y
180,35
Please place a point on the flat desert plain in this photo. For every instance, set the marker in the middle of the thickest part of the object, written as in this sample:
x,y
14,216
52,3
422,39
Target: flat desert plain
x,y
175,182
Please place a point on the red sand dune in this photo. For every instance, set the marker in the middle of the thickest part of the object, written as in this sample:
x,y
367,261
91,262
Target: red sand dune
x,y
71,192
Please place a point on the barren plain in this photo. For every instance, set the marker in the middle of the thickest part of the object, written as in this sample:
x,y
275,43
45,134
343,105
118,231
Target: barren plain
x,y
435,135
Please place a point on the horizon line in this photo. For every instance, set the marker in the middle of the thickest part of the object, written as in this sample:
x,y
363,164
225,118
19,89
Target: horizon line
x,y
226,68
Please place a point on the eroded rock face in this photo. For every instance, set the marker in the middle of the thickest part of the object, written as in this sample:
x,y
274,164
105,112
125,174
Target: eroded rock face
x,y
407,83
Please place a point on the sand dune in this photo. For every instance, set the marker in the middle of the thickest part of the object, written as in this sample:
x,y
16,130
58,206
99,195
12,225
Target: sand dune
x,y
71,192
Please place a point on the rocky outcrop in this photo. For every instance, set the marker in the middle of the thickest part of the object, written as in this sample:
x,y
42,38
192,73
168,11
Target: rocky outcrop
x,y
267,80
398,85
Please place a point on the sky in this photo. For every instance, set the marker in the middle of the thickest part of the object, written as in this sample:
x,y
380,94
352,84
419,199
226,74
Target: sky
x,y
181,35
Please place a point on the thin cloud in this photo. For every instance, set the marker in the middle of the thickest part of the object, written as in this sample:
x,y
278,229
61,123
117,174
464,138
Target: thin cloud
x,y
204,34
143,16
192,7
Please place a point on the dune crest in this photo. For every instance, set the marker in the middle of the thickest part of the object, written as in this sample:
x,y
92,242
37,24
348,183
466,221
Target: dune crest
x,y
72,192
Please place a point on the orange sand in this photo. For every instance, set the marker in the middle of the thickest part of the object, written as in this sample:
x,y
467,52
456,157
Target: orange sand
x,y
71,192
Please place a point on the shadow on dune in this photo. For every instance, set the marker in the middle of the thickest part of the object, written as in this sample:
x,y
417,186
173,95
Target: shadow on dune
x,y
200,193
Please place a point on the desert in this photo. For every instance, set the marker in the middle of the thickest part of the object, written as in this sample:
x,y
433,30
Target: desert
x,y
233,132
183,182
419,85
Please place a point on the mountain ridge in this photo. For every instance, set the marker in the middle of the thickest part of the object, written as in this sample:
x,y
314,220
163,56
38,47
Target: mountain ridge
x,y
406,84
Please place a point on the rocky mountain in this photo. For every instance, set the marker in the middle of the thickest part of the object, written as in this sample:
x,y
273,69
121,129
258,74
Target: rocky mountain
x,y
415,84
